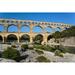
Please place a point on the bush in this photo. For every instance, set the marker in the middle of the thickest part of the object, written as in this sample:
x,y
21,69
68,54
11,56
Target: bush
x,y
14,46
38,46
11,53
24,47
39,52
61,54
45,47
58,53
42,59
48,48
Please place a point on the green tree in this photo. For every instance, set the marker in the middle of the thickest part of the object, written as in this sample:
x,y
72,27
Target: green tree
x,y
11,53
66,33
24,47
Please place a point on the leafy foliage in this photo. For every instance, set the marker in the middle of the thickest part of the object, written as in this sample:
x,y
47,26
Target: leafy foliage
x,y
42,59
66,33
11,53
45,47
39,52
24,46
58,53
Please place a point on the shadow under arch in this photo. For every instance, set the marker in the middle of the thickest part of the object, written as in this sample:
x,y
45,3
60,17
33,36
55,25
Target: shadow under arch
x,y
25,38
38,39
12,28
1,39
11,38
49,37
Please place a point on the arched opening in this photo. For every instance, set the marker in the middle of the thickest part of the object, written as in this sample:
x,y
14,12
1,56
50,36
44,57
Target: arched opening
x,y
25,29
58,29
37,29
11,38
12,28
1,28
66,28
38,39
1,39
25,38
48,29
49,37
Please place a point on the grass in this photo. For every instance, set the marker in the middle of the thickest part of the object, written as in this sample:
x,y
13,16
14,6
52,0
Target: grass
x,y
42,59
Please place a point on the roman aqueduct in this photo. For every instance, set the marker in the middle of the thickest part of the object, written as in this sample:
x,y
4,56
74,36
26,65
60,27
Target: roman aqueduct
x,y
5,35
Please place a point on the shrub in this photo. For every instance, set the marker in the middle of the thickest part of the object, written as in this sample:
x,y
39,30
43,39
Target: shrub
x,y
58,53
11,53
39,52
24,47
14,46
38,46
48,48
45,47
42,59
61,54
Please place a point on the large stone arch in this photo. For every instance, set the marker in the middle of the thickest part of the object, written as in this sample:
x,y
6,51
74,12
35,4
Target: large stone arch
x,y
25,28
38,39
11,38
25,38
12,28
37,29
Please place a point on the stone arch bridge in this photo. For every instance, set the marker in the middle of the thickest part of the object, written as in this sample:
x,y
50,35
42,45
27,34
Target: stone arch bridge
x,y
6,23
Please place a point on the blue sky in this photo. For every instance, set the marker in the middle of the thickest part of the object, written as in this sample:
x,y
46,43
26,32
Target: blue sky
x,y
68,18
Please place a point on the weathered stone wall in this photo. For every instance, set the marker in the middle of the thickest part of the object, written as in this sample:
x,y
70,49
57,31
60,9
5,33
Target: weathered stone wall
x,y
67,41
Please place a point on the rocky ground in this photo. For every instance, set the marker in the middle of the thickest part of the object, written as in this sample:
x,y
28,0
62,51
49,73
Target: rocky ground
x,y
6,60
32,55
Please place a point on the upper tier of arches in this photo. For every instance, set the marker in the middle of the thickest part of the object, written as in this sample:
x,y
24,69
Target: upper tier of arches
x,y
26,28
